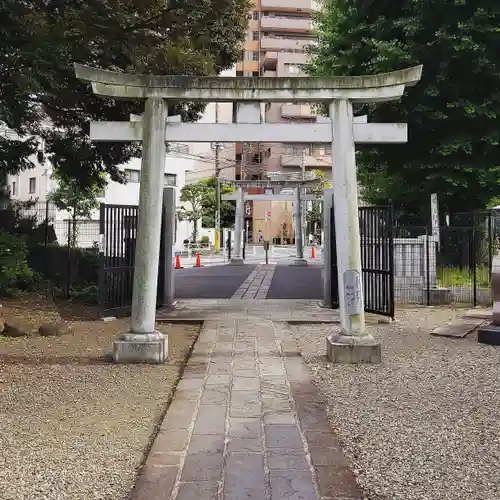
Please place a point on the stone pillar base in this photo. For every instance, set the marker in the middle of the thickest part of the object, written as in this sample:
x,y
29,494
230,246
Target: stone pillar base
x,y
236,261
299,262
141,348
344,349
489,334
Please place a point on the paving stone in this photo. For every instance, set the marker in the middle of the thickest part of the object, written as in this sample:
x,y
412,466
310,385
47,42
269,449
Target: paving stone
x,y
280,418
244,445
253,410
245,427
245,373
245,477
190,384
211,419
337,482
192,395
330,456
292,485
204,458
283,436
273,404
215,395
220,379
163,459
202,490
170,441
285,459
312,416
245,384
154,483
179,415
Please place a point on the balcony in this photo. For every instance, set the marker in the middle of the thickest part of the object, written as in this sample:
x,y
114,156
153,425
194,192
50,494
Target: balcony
x,y
295,161
279,44
296,111
300,5
270,60
285,23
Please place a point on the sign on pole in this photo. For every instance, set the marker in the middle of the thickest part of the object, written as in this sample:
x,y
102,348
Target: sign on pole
x,y
435,218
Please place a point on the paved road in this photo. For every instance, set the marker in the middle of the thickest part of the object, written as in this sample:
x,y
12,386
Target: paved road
x,y
214,282
296,283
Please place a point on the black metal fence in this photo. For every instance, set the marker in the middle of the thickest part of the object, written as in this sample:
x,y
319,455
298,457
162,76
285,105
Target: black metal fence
x,y
61,250
449,265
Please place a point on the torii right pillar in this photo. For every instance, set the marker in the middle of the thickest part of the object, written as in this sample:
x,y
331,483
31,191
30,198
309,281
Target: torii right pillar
x,y
352,343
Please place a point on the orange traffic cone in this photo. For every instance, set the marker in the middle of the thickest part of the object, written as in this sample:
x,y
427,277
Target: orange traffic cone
x,y
198,260
178,262
313,253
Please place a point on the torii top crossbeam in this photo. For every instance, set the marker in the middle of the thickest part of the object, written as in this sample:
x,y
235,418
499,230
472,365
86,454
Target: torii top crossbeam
x,y
368,88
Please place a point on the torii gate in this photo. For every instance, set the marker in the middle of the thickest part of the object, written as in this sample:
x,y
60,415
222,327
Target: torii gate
x,y
143,343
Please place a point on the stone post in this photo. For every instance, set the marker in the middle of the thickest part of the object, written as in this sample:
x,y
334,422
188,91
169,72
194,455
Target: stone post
x,y
238,228
326,245
352,344
299,246
143,343
169,217
490,334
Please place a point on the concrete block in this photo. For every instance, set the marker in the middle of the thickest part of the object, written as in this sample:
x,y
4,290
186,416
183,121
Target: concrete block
x,y
141,348
235,261
341,349
489,334
299,263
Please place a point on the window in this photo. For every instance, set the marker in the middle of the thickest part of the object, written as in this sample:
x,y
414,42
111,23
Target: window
x,y
170,180
32,185
238,157
255,73
292,68
132,175
255,35
255,56
255,15
239,73
14,189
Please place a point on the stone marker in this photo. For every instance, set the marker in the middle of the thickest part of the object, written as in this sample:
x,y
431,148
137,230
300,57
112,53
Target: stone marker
x,y
490,333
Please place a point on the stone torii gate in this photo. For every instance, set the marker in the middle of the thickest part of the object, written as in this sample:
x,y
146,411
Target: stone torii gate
x,y
352,343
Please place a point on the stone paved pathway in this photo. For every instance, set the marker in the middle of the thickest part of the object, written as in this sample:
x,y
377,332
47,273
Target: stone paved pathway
x,y
257,284
245,423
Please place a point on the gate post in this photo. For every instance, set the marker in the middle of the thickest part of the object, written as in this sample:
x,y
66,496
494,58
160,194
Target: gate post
x,y
327,247
168,251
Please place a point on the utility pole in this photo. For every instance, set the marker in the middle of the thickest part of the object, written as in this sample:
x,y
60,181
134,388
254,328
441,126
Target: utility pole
x,y
303,203
217,186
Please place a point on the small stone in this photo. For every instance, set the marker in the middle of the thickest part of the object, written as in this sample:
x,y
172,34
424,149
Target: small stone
x,y
108,319
13,328
2,326
54,329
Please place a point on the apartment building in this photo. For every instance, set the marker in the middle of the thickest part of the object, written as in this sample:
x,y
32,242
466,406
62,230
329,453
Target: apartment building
x,y
279,35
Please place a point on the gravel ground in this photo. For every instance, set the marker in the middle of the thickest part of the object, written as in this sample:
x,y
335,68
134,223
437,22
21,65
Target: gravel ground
x,y
424,425
73,427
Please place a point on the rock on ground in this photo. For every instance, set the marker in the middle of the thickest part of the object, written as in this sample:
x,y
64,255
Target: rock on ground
x,y
423,425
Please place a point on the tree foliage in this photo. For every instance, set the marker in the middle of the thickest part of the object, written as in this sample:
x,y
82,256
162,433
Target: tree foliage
x,y
192,197
42,39
227,208
452,114
314,216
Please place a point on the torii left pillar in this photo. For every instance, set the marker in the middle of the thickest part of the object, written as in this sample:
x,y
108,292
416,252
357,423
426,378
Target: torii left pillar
x,y
143,344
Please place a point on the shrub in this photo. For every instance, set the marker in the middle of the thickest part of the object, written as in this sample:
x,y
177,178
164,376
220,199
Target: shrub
x,y
13,262
205,241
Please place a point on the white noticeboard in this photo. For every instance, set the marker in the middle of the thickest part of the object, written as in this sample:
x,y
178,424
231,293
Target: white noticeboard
x,y
435,217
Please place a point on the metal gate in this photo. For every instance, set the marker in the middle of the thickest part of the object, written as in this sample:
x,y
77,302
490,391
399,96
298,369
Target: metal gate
x,y
118,235
377,260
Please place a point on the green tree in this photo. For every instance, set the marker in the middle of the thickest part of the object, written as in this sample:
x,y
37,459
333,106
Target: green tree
x,y
314,216
452,114
42,39
227,208
79,200
193,196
